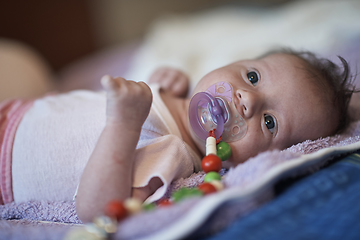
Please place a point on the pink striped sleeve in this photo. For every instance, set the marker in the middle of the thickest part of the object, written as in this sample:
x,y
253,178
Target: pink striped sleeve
x,y
11,113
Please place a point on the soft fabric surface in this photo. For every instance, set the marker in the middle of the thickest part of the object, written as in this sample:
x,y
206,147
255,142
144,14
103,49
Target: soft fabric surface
x,y
321,206
11,113
243,176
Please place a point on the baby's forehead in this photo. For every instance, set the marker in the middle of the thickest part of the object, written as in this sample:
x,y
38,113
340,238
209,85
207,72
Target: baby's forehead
x,y
282,57
275,59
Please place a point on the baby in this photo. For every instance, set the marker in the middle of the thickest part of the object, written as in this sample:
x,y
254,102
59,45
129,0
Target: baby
x,y
283,98
146,142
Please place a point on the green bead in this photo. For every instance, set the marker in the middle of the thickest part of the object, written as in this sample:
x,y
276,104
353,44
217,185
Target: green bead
x,y
178,195
185,193
223,151
149,207
211,176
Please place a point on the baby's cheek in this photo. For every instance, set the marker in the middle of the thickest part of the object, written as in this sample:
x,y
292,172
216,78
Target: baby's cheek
x,y
238,154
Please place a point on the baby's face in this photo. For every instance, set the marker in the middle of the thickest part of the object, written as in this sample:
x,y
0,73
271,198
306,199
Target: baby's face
x,y
277,100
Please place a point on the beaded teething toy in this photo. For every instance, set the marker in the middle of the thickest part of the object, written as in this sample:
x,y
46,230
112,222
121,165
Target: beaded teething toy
x,y
212,113
116,210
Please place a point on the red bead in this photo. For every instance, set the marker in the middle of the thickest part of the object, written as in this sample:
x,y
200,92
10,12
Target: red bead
x,y
211,163
116,209
207,188
164,203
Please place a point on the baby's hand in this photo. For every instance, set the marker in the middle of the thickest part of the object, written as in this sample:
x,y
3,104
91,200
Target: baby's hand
x,y
172,80
128,102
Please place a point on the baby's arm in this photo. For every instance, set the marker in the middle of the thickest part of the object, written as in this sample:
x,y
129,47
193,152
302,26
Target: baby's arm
x,y
108,174
172,80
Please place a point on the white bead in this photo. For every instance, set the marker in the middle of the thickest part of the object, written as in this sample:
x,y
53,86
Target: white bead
x,y
210,146
81,233
133,205
96,231
217,184
106,223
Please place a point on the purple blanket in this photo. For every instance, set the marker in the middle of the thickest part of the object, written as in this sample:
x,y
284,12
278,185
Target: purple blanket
x,y
52,220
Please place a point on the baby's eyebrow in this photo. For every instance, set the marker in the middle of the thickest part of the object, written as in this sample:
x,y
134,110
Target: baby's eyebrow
x,y
265,67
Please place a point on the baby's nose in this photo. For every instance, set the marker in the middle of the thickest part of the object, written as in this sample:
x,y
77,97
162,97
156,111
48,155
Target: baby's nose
x,y
250,102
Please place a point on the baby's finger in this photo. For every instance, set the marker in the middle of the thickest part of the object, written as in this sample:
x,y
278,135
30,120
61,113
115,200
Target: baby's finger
x,y
109,83
181,86
145,87
169,79
157,76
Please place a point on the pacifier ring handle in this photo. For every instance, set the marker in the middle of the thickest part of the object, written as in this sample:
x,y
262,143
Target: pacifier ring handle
x,y
212,134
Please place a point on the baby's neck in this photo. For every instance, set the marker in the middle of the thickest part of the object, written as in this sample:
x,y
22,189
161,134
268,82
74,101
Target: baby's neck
x,y
178,108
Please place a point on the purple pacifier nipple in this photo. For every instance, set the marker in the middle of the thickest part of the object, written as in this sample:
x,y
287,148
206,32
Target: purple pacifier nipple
x,y
214,109
204,99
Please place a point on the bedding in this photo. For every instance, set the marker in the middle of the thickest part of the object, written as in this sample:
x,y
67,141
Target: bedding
x,y
208,40
323,205
248,186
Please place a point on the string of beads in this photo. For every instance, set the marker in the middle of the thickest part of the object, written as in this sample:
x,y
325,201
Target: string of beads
x,y
116,211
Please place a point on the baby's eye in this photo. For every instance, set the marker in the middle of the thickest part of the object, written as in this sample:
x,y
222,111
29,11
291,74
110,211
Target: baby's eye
x,y
253,77
270,123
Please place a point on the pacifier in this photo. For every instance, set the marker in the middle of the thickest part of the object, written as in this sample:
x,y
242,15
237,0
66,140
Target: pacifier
x,y
215,109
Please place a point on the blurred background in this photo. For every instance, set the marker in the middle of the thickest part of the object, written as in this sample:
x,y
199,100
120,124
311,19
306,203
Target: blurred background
x,y
65,45
63,31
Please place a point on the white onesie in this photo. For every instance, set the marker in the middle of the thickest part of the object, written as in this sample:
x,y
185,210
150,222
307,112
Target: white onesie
x,y
58,133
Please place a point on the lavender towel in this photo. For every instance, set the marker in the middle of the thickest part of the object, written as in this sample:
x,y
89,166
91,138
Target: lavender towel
x,y
52,220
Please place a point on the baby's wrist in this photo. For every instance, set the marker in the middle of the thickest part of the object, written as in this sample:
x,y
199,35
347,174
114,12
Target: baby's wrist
x,y
124,127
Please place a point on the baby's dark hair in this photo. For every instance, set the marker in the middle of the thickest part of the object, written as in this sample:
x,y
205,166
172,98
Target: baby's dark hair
x,y
336,82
